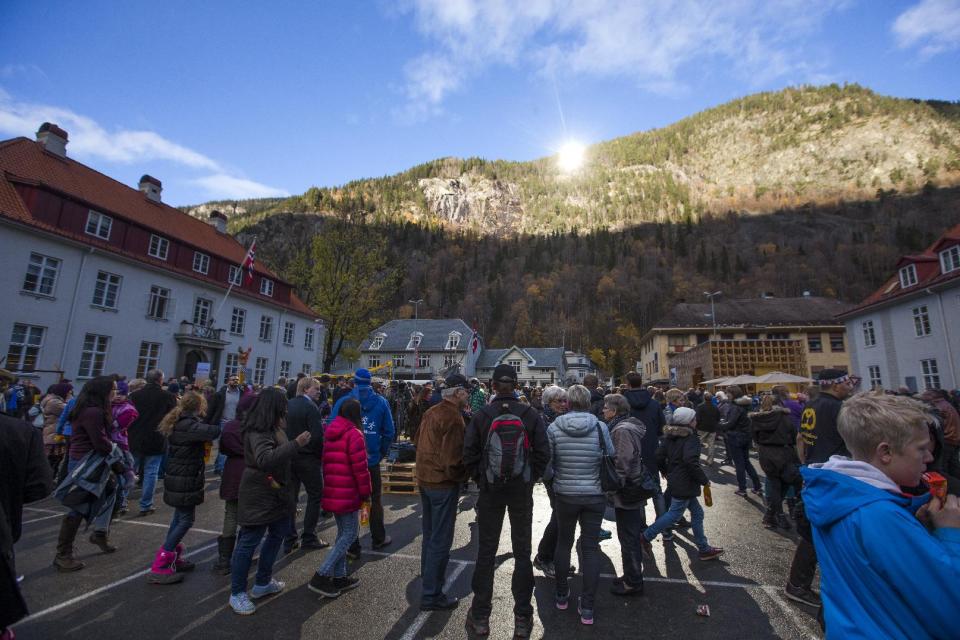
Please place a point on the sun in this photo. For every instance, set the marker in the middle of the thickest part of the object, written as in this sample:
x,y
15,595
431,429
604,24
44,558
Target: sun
x,y
571,156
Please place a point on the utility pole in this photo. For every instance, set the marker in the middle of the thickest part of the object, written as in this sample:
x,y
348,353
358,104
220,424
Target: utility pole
x,y
416,322
713,311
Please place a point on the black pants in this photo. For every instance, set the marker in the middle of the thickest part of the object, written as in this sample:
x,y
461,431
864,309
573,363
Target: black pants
x,y
589,515
804,565
378,532
630,526
548,543
780,466
307,470
491,505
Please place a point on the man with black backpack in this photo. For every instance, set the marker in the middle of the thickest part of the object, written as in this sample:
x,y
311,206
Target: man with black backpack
x,y
505,450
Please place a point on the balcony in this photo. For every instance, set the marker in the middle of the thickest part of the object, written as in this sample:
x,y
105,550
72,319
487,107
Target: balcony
x,y
199,334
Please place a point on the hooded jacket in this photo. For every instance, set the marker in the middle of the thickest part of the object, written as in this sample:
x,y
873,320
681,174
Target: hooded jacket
x,y
707,417
183,479
378,428
647,410
883,574
737,419
440,448
678,458
266,493
627,434
346,476
575,453
773,428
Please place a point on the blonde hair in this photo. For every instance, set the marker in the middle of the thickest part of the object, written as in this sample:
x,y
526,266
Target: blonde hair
x,y
869,418
766,404
191,402
305,384
673,395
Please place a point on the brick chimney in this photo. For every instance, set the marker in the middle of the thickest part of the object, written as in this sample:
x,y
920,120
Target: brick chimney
x,y
53,139
151,187
219,221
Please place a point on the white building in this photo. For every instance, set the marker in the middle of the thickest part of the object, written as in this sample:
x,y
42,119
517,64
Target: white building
x,y
103,278
421,349
906,333
578,367
534,366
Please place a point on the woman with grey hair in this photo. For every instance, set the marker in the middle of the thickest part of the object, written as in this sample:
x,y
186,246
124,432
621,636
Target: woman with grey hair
x,y
554,401
576,454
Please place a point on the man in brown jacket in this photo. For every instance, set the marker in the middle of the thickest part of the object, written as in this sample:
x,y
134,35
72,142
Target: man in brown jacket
x,y
440,473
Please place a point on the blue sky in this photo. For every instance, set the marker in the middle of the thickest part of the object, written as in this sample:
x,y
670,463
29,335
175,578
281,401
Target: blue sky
x,y
246,99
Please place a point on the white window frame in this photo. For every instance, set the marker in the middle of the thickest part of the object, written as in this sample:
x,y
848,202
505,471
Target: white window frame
x,y
285,368
238,321
158,293
921,321
26,348
201,262
516,363
231,366
399,360
931,373
289,333
42,268
110,283
260,370
373,361
416,338
148,357
377,341
266,328
423,360
950,259
869,335
235,276
93,355
202,311
308,335
306,369
450,359
101,223
874,376
453,340
159,247
908,276
266,287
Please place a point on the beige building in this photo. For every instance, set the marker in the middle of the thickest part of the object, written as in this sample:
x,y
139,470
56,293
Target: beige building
x,y
795,335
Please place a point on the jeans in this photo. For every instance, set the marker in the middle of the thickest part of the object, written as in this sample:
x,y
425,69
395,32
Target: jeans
x,y
378,532
739,445
709,442
590,516
439,517
630,526
306,470
335,564
151,467
247,543
548,543
491,505
677,507
182,521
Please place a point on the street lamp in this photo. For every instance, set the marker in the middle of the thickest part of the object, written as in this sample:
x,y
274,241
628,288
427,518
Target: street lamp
x,y
713,312
416,320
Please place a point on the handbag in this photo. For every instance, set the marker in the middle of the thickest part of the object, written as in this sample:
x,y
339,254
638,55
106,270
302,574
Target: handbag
x,y
609,478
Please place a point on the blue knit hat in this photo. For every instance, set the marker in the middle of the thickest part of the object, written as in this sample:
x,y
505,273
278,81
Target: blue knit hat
x,y
362,377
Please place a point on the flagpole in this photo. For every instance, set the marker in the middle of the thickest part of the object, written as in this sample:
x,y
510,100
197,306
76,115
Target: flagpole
x,y
232,283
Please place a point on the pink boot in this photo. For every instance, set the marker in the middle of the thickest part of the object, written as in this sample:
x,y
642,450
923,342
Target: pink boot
x,y
163,570
182,564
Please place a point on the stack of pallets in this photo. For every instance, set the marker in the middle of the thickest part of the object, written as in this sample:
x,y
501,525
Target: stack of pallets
x,y
399,477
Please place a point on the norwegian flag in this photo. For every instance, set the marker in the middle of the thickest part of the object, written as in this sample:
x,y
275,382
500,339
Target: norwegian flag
x,y
248,262
474,342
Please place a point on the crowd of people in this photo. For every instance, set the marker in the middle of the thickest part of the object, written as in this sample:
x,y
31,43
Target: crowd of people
x,y
855,471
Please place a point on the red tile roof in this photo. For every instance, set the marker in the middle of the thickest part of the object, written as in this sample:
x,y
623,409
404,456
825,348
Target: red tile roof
x,y
891,289
23,160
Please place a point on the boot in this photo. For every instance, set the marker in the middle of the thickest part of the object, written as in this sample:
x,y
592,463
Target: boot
x,y
68,533
770,520
163,570
225,550
99,538
181,563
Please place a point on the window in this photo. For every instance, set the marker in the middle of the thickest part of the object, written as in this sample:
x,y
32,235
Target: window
x,y
266,328
373,361
377,341
931,374
400,360
266,287
231,367
778,336
159,247
950,259
423,360
415,339
453,340
93,355
677,343
149,358
753,336
308,338
515,364
285,368
836,341
236,276
107,290
873,372
238,321
908,276
701,338
814,343
259,370
24,349
98,225
921,321
869,336
41,274
306,369
450,359
201,311
727,336
201,262
158,304
288,330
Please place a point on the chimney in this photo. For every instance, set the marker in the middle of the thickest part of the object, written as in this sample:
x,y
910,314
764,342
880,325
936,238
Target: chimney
x,y
53,139
219,221
151,187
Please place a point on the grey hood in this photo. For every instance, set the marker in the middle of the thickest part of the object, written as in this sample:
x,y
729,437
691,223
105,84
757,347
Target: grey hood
x,y
577,424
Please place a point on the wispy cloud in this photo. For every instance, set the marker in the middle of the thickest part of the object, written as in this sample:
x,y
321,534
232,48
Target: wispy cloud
x,y
90,140
931,25
649,42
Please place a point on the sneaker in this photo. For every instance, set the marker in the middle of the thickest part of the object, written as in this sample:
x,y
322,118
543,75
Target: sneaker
x,y
522,627
624,588
145,512
479,626
262,591
562,600
711,553
741,492
446,603
386,542
289,546
312,544
802,595
353,553
345,583
241,604
756,492
544,565
586,615
769,521
605,535
323,585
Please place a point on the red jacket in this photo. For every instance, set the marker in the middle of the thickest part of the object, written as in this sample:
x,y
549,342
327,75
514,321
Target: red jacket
x,y
346,478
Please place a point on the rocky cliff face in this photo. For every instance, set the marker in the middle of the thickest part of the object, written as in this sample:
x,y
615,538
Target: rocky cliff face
x,y
474,202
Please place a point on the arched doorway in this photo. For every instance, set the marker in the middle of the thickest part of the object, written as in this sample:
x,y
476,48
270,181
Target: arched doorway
x,y
190,363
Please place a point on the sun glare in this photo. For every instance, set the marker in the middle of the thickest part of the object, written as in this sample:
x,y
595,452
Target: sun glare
x,y
570,156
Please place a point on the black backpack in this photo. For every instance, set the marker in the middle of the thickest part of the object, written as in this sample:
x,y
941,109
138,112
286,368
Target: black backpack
x,y
506,450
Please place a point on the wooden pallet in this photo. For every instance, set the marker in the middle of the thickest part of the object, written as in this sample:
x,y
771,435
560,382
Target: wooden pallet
x,y
399,477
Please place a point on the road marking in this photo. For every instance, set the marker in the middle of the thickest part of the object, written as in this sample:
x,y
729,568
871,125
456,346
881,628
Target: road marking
x,y
789,611
39,510
56,515
142,523
422,617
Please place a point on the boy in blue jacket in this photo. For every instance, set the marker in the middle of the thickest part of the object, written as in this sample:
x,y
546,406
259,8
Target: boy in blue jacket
x,y
889,562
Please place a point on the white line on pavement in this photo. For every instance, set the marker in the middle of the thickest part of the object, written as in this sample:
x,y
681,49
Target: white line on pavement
x,y
55,515
789,612
142,523
421,619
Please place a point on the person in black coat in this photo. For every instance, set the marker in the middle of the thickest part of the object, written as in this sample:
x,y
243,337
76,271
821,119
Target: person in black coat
x,y
304,415
736,425
647,410
776,439
708,416
25,476
146,443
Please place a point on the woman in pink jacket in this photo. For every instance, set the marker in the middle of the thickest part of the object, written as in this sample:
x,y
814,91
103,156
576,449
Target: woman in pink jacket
x,y
346,485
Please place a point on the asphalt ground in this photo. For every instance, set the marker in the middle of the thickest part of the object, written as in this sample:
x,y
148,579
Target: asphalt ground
x,y
111,598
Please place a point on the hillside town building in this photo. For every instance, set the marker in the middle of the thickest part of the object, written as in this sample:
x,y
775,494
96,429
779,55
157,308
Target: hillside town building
x,y
420,349
534,366
104,278
578,366
906,332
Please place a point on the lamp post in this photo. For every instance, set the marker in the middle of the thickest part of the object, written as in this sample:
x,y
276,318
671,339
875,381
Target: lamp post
x,y
713,312
416,321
